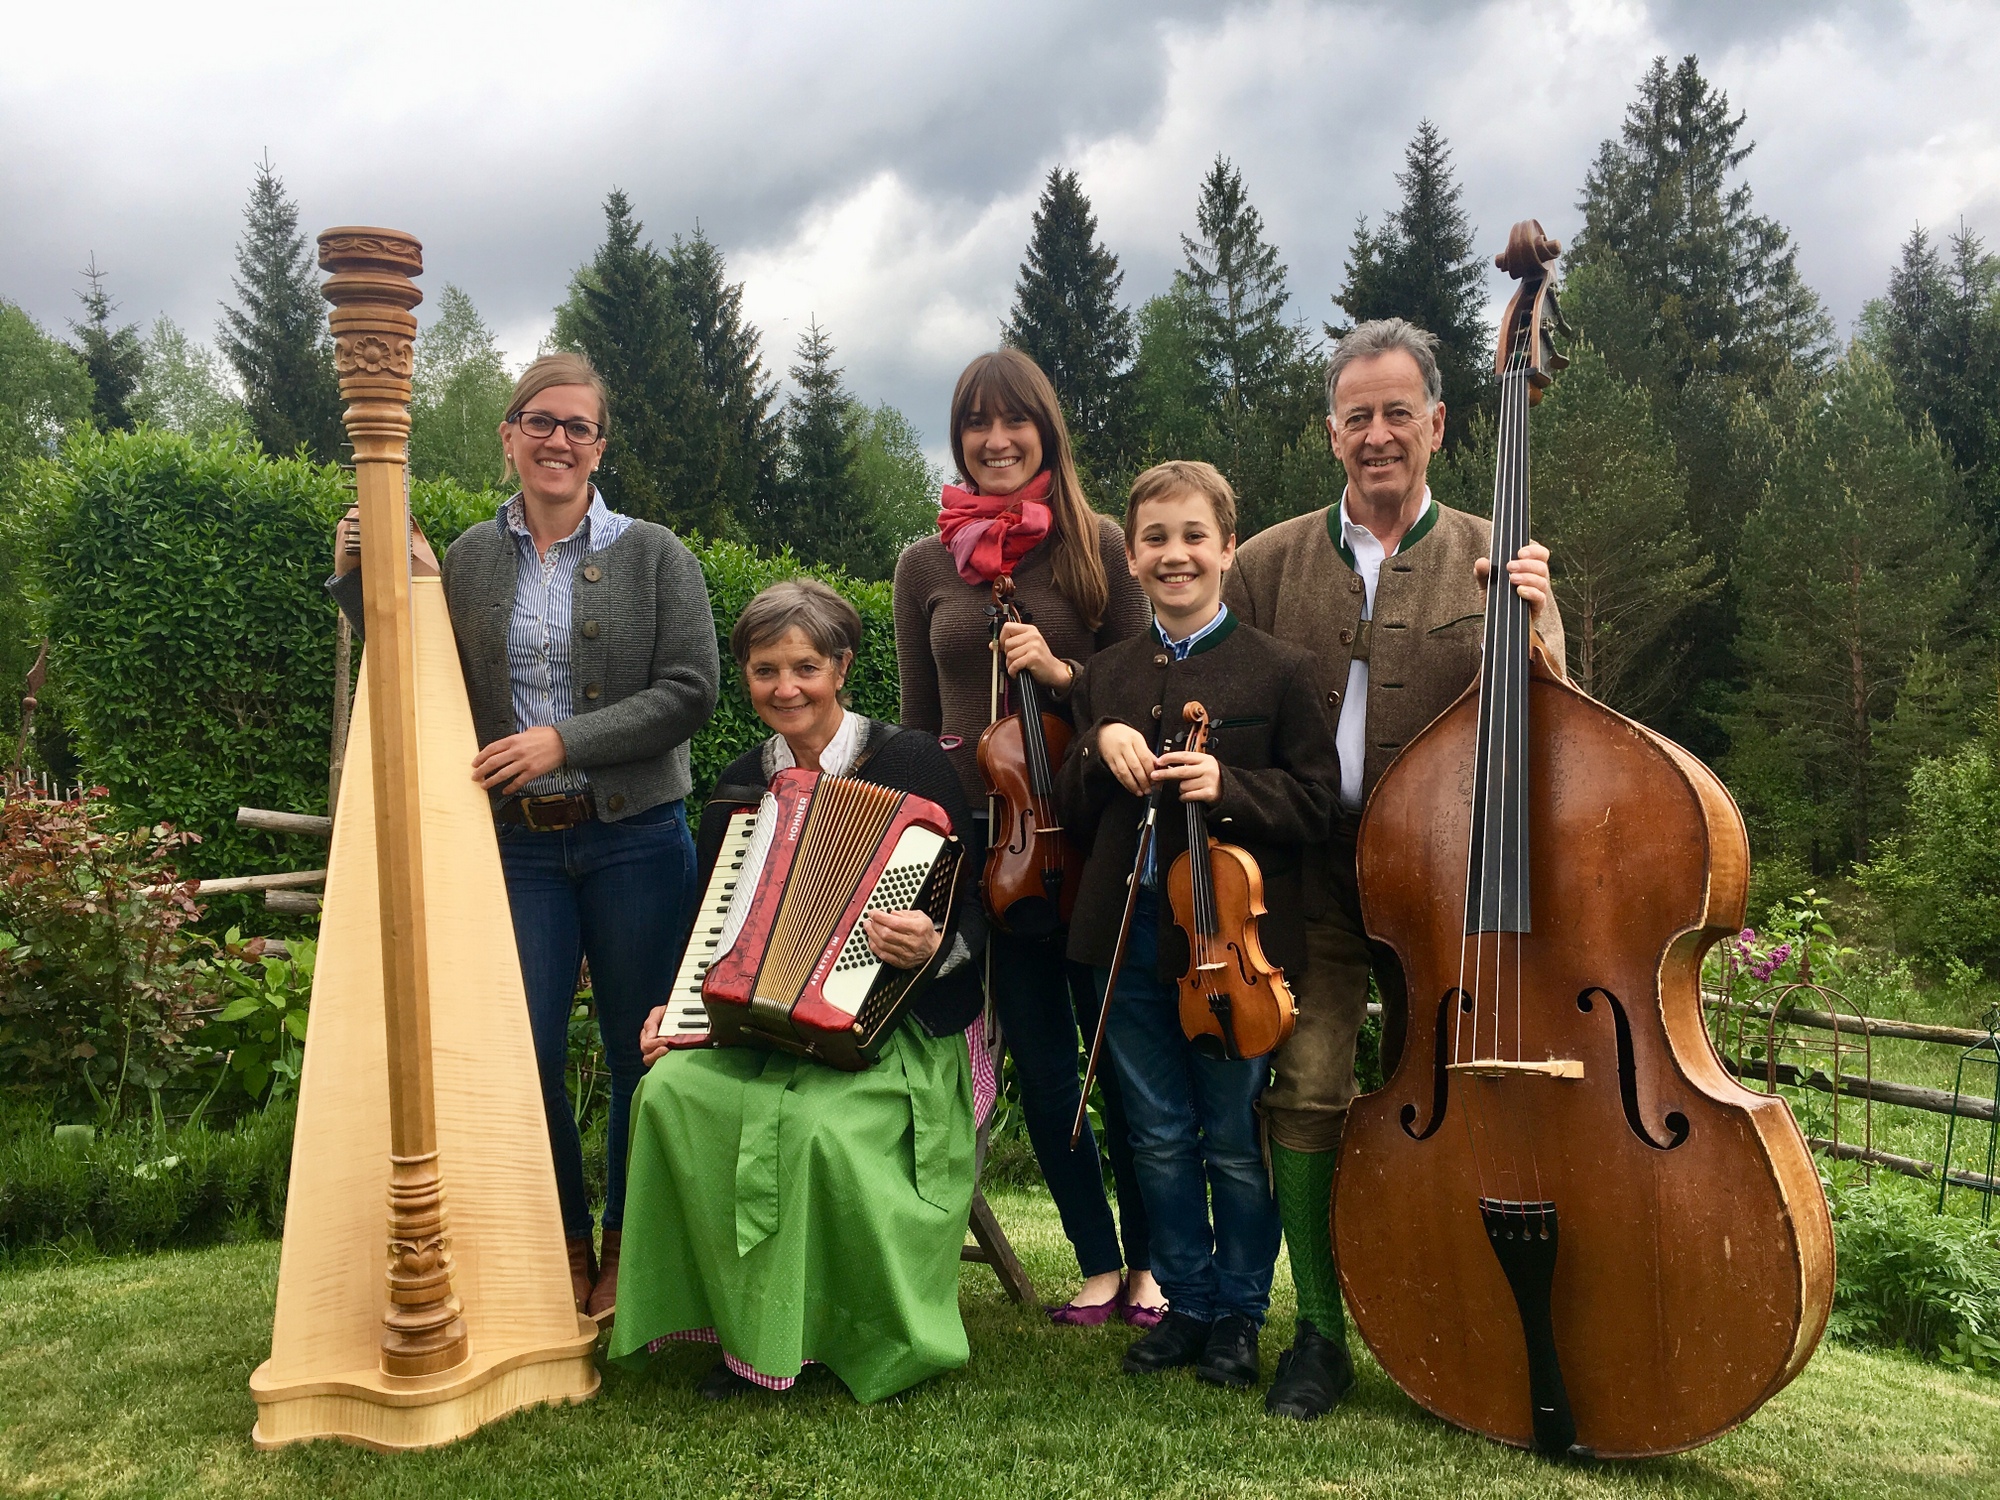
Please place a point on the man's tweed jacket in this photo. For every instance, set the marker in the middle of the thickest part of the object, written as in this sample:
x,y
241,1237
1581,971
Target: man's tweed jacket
x,y
1430,615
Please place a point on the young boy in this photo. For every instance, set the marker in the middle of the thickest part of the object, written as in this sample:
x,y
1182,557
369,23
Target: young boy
x,y
1271,780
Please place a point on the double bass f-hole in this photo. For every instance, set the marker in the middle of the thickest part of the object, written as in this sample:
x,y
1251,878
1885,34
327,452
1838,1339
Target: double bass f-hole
x,y
1628,1075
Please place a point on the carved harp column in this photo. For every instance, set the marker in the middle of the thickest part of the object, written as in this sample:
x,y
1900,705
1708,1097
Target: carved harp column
x,y
374,340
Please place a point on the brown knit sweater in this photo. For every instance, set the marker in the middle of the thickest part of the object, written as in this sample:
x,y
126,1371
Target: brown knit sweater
x,y
942,632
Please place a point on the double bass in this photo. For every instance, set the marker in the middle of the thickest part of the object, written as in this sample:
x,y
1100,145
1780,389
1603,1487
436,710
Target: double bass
x,y
1234,1001
1032,870
1560,1223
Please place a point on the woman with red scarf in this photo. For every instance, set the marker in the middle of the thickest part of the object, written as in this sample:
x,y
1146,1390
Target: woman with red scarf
x,y
1019,510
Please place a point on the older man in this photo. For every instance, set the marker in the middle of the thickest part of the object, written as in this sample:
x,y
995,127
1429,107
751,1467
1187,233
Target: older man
x,y
1387,590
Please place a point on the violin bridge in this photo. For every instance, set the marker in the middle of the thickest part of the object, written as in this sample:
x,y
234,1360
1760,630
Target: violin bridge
x,y
1506,1067
1209,968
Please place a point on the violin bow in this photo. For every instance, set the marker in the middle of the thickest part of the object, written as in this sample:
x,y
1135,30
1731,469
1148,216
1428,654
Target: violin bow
x,y
1117,961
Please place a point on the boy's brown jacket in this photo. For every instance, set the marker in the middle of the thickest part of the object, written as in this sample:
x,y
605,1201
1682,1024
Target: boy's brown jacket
x,y
1280,777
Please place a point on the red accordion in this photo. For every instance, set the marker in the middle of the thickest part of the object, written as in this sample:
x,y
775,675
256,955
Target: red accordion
x,y
796,971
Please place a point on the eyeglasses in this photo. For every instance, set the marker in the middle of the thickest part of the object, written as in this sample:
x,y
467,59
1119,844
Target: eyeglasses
x,y
539,424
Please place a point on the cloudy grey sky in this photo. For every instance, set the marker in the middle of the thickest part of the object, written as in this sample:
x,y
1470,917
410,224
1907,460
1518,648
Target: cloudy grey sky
x,y
874,162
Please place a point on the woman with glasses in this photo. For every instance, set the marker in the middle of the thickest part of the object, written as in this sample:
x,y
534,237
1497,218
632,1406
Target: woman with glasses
x,y
590,659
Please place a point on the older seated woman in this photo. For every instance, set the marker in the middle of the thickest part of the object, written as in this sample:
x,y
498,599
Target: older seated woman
x,y
789,1212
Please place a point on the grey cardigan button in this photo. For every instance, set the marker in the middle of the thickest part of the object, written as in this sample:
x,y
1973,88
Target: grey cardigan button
x,y
591,573
590,630
592,691
616,802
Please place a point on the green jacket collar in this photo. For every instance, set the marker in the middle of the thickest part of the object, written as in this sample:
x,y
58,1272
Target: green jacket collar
x,y
1410,538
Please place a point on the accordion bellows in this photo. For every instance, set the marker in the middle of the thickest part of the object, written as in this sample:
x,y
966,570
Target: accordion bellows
x,y
795,970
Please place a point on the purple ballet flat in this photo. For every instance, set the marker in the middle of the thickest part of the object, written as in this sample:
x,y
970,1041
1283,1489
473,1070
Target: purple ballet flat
x,y
1069,1315
1139,1316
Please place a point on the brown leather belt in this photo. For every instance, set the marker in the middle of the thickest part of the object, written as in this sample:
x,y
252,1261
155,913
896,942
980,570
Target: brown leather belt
x,y
550,814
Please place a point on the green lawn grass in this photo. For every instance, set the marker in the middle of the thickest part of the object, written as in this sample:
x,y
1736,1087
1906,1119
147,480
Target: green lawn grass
x,y
127,1376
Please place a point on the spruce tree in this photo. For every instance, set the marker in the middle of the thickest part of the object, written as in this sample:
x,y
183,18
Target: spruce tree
x,y
1262,370
277,339
733,435
459,396
1719,280
1421,265
1068,320
895,486
1857,560
621,314
822,522
1938,332
112,355
1240,292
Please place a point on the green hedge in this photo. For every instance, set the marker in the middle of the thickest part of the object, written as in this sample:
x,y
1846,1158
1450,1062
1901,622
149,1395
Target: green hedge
x,y
141,1189
181,581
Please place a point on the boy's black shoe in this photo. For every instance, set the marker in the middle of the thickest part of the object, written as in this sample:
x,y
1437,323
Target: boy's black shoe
x,y
1312,1376
1178,1339
1231,1356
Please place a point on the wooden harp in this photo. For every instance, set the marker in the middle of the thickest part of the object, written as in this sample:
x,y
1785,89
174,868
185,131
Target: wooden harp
x,y
419,1077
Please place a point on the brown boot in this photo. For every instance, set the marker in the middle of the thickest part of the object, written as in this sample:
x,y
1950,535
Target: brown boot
x,y
582,1269
604,1297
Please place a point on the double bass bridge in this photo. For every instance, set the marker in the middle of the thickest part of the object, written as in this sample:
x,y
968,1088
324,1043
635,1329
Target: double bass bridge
x,y
1508,1067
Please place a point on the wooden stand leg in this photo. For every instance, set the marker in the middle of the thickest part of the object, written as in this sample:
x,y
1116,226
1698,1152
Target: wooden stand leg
x,y
991,1249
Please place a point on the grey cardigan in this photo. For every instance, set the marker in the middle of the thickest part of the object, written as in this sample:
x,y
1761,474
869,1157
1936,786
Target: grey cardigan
x,y
642,654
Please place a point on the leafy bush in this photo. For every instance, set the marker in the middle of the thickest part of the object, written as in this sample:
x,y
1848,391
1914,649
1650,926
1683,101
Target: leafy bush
x,y
181,580
182,583
99,981
142,1189
257,1040
1914,1279
1940,882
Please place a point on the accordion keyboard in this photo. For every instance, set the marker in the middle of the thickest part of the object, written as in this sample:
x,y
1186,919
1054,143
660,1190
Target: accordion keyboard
x,y
686,1022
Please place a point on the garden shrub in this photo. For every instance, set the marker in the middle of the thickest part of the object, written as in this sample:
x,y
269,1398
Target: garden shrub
x,y
144,1189
181,580
99,980
1940,881
1914,1279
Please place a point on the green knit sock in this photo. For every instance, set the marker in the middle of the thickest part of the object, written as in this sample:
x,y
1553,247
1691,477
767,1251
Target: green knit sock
x,y
1305,1195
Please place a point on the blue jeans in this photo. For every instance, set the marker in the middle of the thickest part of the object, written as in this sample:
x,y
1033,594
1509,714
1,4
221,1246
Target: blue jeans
x,y
621,895
1194,1139
1048,1013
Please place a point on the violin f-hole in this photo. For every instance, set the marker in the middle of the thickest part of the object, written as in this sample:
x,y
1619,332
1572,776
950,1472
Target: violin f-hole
x,y
1628,1080
1440,1074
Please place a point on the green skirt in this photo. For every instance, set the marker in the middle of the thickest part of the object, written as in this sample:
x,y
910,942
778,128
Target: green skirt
x,y
801,1213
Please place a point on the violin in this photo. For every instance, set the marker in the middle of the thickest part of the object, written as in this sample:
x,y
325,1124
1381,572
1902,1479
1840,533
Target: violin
x,y
1032,870
1234,1000
1559,1222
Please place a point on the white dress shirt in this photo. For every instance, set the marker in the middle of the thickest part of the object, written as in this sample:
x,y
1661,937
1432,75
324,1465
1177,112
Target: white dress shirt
x,y
1351,734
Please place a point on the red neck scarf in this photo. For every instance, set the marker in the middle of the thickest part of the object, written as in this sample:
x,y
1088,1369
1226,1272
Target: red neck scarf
x,y
987,534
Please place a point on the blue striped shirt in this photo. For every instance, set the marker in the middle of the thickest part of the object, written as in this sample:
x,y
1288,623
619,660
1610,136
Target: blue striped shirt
x,y
538,631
